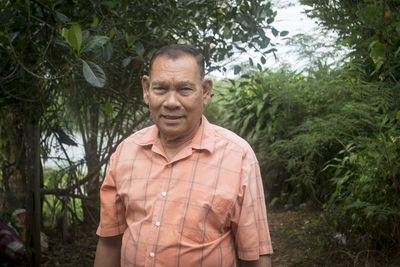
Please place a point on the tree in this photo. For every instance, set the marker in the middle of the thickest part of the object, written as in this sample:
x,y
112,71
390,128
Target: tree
x,y
77,65
370,28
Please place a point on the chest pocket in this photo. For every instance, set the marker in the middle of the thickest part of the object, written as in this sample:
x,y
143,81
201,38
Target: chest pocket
x,y
208,215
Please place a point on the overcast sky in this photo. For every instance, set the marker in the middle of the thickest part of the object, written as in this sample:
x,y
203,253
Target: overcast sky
x,y
290,17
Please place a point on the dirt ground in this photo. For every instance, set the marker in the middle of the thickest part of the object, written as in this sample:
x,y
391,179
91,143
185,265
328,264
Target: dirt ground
x,y
298,237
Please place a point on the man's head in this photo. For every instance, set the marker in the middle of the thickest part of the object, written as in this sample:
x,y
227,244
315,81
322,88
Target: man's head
x,y
174,51
176,91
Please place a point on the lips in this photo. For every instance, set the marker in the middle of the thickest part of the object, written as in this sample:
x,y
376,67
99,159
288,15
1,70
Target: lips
x,y
171,117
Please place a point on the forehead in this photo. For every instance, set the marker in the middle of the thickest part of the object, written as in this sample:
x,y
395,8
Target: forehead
x,y
184,66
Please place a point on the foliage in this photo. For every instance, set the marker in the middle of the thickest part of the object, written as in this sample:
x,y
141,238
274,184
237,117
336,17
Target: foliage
x,y
328,137
54,206
371,28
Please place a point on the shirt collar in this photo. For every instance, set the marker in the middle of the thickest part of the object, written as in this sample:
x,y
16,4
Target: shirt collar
x,y
204,139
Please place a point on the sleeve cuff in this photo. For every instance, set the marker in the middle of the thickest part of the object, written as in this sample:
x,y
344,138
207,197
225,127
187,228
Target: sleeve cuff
x,y
110,230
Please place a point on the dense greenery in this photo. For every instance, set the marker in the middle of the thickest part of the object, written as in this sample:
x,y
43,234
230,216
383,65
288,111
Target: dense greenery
x,y
331,136
327,137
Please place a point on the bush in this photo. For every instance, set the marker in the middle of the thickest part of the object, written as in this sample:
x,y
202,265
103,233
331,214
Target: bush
x,y
326,137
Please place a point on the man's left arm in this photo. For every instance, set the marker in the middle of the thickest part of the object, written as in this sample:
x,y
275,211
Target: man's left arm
x,y
263,261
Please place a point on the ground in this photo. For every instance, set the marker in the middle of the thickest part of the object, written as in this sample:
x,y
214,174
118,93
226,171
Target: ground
x,y
299,238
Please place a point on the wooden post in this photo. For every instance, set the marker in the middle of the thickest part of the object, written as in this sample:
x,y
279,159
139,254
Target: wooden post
x,y
36,194
32,141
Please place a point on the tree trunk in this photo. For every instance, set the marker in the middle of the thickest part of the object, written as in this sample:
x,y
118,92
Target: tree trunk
x,y
33,218
13,165
90,205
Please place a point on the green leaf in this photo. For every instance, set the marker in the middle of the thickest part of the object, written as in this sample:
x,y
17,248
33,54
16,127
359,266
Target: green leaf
x,y
265,43
378,52
108,52
12,36
112,32
246,123
74,37
139,49
357,204
251,61
93,74
284,33
61,17
237,69
398,115
271,50
275,32
64,33
126,61
270,20
397,52
95,43
263,61
95,22
109,108
260,106
227,32
397,26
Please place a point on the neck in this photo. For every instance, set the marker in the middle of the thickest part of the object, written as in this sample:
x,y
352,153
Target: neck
x,y
172,145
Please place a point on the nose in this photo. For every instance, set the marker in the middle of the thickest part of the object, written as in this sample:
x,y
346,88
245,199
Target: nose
x,y
172,102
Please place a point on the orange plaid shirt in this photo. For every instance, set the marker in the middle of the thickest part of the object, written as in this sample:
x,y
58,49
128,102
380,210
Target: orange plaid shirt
x,y
206,207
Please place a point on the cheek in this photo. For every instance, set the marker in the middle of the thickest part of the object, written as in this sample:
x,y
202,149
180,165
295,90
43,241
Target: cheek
x,y
154,103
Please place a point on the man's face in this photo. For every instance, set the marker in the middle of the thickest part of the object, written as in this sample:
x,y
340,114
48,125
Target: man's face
x,y
176,95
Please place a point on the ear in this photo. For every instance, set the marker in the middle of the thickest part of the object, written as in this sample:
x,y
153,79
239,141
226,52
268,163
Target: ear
x,y
207,89
146,88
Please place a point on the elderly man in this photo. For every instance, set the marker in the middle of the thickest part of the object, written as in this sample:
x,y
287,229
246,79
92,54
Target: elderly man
x,y
183,192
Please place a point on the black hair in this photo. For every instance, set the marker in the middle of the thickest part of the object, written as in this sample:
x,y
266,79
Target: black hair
x,y
174,51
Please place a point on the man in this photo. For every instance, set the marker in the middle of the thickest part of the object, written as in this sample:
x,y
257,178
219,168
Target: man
x,y
183,192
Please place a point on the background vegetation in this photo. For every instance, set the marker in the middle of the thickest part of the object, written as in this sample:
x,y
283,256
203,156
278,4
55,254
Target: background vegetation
x,y
329,136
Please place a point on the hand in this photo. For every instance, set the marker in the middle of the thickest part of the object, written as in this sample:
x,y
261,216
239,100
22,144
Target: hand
x,y
108,252
263,261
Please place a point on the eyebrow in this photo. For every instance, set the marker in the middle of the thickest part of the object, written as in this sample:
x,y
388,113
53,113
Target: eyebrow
x,y
165,84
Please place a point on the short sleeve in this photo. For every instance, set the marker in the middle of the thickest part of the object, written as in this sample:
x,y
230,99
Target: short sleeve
x,y
249,216
112,210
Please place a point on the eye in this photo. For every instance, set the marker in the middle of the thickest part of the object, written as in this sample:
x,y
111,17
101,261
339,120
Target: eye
x,y
186,90
159,89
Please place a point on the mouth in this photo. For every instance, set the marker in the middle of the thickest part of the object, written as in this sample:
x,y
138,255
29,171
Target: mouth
x,y
171,118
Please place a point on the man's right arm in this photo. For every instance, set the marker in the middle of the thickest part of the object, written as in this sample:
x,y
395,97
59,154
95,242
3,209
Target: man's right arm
x,y
108,252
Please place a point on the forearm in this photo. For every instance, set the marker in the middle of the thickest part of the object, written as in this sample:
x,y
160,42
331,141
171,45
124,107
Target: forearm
x,y
108,252
263,261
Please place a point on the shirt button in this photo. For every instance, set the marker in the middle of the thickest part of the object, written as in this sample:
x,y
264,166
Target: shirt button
x,y
152,254
169,165
158,223
164,194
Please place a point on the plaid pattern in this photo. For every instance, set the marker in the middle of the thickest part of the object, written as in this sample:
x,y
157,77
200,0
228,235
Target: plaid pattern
x,y
204,208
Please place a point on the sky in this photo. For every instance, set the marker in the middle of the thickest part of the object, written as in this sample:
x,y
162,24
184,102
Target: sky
x,y
290,17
